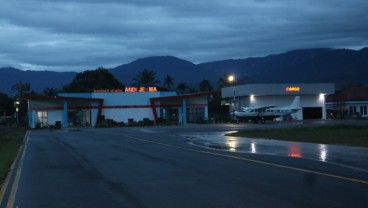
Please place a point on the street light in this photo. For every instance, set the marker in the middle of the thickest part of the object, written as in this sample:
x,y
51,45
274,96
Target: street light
x,y
231,79
17,109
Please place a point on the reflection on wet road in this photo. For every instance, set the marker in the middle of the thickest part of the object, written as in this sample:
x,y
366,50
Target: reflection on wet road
x,y
348,156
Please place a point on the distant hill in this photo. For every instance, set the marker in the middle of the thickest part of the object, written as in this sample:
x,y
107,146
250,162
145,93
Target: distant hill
x,y
181,70
303,66
306,66
39,80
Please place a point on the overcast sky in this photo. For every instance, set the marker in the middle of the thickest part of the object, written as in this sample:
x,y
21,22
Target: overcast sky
x,y
75,35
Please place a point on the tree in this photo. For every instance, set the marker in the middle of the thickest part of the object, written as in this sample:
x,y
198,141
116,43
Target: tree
x,y
145,78
192,90
90,80
182,87
168,82
49,91
6,105
205,86
20,88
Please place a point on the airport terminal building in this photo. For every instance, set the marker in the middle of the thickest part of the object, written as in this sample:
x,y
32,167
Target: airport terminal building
x,y
312,97
132,104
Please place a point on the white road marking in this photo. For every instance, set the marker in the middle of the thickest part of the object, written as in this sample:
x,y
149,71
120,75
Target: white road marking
x,y
14,188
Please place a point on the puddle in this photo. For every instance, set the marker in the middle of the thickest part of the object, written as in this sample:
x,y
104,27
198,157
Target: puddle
x,y
350,156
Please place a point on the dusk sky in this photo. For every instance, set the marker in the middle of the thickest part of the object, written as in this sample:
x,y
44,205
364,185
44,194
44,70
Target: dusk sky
x,y
75,35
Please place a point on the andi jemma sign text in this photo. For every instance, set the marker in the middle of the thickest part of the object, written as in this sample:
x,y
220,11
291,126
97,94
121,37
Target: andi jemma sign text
x,y
128,89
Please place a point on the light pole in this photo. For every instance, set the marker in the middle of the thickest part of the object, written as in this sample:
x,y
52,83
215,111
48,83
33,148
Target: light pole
x,y
17,109
231,79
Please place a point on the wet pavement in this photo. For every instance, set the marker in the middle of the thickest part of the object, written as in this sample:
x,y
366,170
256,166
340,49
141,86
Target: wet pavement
x,y
353,157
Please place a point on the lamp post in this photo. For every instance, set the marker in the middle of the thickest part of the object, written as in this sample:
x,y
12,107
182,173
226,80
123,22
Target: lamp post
x,y
231,79
17,109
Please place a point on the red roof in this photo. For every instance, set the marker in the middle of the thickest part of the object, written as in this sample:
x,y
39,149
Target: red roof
x,y
354,94
358,93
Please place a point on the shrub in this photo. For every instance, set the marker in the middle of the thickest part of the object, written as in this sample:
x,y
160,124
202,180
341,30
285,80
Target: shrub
x,y
57,124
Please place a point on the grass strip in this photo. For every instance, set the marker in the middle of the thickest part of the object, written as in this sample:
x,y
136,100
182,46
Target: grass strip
x,y
349,135
10,141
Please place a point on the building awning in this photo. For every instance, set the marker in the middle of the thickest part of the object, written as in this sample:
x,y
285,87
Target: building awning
x,y
62,99
178,97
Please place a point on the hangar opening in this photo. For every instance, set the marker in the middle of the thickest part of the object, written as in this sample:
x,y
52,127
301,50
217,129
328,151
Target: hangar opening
x,y
312,113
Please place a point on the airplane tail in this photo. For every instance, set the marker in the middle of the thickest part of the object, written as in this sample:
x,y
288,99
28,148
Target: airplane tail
x,y
296,103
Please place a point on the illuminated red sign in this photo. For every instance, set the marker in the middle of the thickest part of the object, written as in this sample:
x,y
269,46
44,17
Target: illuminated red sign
x,y
140,89
292,89
127,89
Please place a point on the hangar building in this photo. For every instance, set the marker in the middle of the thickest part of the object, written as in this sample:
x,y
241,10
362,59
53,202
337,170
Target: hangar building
x,y
312,97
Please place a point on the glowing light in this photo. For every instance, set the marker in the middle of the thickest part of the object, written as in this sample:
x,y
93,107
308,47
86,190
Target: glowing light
x,y
322,152
140,89
292,89
232,144
322,97
251,97
231,78
253,148
294,151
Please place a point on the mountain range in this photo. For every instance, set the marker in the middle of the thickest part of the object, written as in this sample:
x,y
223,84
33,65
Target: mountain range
x,y
298,66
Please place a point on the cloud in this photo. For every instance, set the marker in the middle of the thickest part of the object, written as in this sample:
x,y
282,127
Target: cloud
x,y
84,34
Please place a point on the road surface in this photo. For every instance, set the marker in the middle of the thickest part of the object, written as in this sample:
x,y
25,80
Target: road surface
x,y
156,167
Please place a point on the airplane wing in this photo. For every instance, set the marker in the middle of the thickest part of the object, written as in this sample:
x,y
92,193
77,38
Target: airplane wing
x,y
264,108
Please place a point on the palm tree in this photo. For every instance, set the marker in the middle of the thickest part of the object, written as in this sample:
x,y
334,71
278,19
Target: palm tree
x,y
168,81
205,86
182,87
146,78
50,91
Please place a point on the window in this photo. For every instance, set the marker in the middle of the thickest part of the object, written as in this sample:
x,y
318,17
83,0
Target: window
x,y
42,118
363,110
169,114
195,115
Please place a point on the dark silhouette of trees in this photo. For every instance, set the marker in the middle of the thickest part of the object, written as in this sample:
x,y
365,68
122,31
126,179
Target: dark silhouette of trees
x,y
182,87
21,88
205,86
90,80
6,105
145,78
168,81
50,91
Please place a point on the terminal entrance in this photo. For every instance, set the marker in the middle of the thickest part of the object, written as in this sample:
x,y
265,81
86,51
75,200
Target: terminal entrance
x,y
169,114
79,118
194,115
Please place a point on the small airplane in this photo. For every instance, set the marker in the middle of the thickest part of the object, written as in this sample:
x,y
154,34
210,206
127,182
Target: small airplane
x,y
262,114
